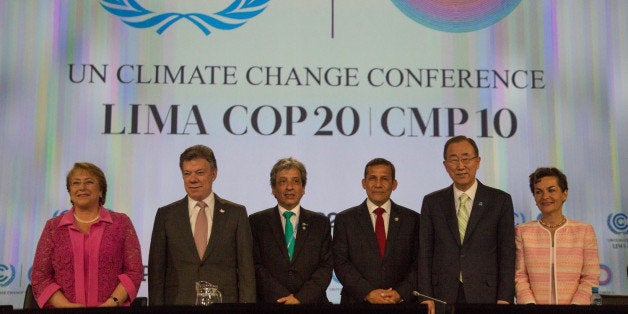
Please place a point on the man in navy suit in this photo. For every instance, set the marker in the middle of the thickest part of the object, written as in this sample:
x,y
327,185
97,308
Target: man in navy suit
x,y
201,237
466,238
375,243
291,245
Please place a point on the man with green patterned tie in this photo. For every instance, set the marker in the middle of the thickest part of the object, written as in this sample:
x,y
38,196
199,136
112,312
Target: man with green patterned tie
x,y
466,236
291,245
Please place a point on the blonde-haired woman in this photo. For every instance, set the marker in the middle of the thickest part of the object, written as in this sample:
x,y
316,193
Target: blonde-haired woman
x,y
89,256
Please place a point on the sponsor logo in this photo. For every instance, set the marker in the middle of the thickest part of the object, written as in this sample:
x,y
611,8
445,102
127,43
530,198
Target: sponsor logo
x,y
618,223
234,15
7,274
456,16
605,275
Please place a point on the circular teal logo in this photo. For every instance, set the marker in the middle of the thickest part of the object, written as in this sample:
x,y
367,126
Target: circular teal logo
x,y
456,16
7,274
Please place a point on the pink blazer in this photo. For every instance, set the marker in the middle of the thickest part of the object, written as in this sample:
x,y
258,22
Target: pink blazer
x,y
87,268
577,267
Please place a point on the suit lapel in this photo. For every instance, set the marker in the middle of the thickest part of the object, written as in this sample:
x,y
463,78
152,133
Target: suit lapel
x,y
182,218
364,222
394,223
219,223
449,207
479,208
303,231
274,221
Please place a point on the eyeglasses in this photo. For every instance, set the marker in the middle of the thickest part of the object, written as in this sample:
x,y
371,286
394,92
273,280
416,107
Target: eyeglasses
x,y
455,161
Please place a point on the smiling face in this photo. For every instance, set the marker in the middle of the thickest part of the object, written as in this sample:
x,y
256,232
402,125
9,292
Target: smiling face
x,y
198,177
461,164
549,197
84,189
379,183
288,188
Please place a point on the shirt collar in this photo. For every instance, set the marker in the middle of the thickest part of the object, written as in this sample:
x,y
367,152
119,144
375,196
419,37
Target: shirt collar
x,y
371,206
209,201
296,210
470,192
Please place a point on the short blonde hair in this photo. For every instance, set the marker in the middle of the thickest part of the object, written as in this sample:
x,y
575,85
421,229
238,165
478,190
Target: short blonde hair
x,y
94,171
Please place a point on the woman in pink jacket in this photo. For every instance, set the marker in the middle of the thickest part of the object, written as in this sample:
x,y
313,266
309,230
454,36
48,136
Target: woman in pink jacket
x,y
557,260
89,256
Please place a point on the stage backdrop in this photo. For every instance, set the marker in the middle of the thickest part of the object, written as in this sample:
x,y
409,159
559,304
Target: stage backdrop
x,y
128,85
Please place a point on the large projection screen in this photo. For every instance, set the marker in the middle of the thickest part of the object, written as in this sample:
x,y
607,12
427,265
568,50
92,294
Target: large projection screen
x,y
128,85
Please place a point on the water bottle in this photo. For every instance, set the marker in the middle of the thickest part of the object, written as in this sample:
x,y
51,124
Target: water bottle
x,y
207,293
596,298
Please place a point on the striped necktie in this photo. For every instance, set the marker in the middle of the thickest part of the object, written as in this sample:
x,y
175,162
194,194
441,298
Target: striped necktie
x,y
463,216
289,233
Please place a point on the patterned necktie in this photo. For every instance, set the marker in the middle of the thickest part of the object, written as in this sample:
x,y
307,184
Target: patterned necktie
x,y
463,220
289,233
463,216
200,230
380,231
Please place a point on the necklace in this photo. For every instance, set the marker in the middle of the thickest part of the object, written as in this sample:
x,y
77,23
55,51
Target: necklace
x,y
87,221
562,222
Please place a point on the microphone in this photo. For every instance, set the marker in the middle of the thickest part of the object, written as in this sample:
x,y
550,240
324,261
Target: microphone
x,y
421,295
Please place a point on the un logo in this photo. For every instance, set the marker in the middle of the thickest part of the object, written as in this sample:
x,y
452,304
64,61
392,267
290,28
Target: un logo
x,y
605,275
618,223
7,274
231,17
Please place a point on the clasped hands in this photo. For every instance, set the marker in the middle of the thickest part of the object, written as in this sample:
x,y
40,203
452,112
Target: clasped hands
x,y
383,296
290,299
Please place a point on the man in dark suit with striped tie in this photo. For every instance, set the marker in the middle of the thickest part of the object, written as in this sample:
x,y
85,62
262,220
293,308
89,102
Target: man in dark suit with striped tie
x,y
467,241
291,245
375,243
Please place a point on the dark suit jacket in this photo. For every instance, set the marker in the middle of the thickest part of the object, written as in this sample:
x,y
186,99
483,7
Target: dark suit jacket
x,y
357,260
308,275
486,257
174,265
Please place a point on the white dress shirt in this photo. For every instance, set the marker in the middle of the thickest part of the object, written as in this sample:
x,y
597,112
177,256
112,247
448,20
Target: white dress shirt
x,y
386,215
470,193
294,220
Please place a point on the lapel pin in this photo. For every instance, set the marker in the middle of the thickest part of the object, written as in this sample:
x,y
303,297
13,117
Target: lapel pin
x,y
222,211
396,219
480,204
303,225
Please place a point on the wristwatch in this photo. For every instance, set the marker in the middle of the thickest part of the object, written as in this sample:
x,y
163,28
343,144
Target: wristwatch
x,y
115,300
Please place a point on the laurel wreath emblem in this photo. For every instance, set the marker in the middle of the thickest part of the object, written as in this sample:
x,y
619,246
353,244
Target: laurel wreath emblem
x,y
231,17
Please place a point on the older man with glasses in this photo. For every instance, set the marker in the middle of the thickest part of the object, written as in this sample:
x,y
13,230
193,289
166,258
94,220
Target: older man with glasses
x,y
466,235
